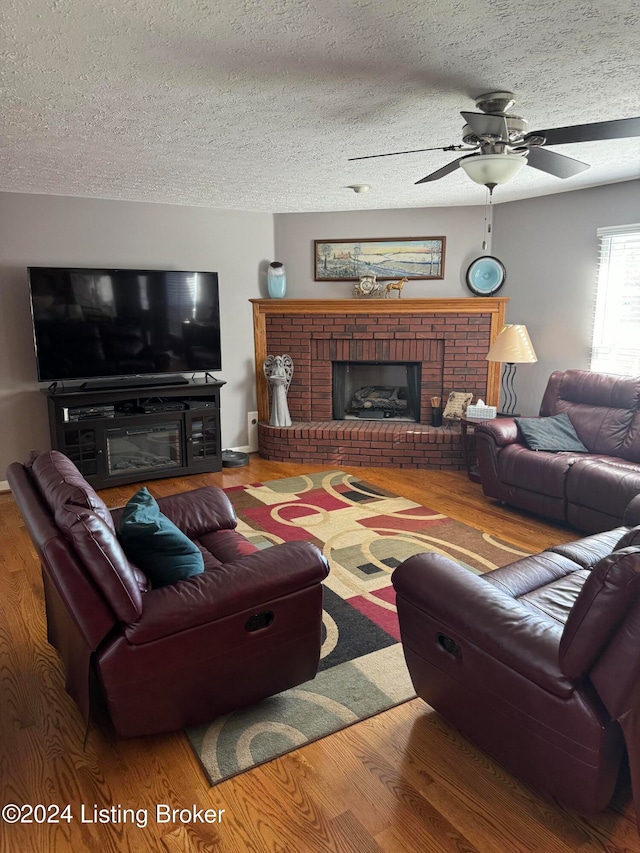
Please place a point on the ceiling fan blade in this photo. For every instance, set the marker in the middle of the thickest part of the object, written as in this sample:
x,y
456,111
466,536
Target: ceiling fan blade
x,y
618,129
413,151
555,164
440,173
487,125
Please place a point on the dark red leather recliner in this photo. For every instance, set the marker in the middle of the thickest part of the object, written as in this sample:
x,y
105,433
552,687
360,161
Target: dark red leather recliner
x,y
537,662
246,628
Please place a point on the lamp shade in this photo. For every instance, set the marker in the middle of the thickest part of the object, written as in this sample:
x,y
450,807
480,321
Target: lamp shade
x,y
492,168
513,346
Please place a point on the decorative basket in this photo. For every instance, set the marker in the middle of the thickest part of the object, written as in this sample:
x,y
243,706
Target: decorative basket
x,y
484,413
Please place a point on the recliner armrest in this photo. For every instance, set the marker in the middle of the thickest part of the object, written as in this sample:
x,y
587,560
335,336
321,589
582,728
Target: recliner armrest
x,y
248,583
476,612
199,511
196,513
502,430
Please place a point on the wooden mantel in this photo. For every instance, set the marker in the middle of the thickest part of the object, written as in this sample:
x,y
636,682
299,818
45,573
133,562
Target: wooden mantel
x,y
495,307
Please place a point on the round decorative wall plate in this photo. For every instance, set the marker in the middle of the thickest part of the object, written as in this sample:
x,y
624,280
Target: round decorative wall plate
x,y
485,276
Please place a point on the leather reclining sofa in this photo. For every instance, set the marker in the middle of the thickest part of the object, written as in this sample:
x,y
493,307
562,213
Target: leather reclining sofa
x,y
589,491
537,662
247,627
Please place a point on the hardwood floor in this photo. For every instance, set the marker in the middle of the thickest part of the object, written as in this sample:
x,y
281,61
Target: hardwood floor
x,y
401,781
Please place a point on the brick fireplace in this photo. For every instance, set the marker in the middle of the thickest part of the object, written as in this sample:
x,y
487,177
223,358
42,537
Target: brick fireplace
x,y
447,339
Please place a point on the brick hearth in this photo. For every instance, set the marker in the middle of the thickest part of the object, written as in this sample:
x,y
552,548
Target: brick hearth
x,y
448,337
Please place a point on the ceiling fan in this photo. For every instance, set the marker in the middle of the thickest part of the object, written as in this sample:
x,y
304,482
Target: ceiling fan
x,y
500,145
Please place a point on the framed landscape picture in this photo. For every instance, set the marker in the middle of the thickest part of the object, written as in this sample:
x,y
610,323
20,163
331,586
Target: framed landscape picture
x,y
385,258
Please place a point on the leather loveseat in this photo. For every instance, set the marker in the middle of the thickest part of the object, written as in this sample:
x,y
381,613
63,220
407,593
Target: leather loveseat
x,y
537,662
589,491
247,627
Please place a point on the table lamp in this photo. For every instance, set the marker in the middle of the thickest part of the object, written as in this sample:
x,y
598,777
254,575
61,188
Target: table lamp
x,y
512,346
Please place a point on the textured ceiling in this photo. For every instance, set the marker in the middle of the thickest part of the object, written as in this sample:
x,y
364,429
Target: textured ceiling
x,y
257,104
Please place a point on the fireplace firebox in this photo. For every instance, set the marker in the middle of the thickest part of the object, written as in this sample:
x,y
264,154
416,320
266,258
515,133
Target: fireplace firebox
x,y
143,449
374,390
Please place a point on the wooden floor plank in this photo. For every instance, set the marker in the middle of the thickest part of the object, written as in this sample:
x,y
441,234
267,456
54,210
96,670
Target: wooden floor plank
x,y
401,782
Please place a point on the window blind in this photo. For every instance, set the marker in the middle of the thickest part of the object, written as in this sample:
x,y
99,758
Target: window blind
x,y
616,329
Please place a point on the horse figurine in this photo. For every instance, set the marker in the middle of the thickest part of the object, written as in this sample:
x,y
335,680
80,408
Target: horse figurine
x,y
395,285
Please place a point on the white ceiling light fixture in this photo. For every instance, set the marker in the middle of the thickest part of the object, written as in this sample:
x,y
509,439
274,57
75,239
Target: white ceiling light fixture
x,y
360,188
492,169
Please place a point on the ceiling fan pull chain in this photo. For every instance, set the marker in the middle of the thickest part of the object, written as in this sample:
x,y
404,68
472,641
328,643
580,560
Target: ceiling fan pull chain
x,y
488,217
485,227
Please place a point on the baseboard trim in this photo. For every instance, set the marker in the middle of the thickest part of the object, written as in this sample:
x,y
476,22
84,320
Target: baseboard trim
x,y
4,484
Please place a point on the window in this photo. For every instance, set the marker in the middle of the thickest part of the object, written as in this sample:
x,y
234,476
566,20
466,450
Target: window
x,y
616,332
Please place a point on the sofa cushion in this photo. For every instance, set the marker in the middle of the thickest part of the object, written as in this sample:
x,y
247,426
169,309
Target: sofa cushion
x,y
588,551
606,390
603,431
606,484
529,574
155,544
60,483
631,446
556,599
537,471
102,556
554,434
602,408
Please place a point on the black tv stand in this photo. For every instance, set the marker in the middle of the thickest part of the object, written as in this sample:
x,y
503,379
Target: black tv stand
x,y
133,382
129,435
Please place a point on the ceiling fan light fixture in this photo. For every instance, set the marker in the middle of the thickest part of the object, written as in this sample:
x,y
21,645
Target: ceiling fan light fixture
x,y
492,168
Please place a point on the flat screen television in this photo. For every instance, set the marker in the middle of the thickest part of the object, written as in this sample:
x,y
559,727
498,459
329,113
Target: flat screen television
x,y
102,323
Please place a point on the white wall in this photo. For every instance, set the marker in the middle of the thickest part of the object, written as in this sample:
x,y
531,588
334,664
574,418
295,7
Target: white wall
x,y
550,249
295,232
50,230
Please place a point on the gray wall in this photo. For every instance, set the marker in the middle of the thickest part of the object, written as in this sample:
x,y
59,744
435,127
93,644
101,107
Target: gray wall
x,y
50,230
548,244
295,232
550,249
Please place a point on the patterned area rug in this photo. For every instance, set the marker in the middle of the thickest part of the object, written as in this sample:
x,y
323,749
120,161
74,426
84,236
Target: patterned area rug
x,y
365,532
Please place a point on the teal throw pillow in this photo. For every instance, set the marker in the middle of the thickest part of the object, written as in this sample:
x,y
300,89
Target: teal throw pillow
x,y
153,542
554,434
